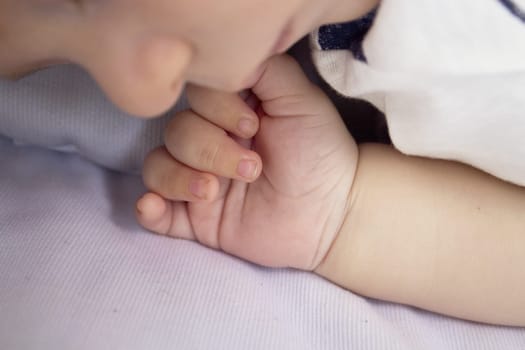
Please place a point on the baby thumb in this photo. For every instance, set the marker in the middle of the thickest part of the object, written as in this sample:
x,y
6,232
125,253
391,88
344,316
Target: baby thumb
x,y
284,91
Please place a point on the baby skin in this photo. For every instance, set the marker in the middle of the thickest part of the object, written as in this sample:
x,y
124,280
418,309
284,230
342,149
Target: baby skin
x,y
277,180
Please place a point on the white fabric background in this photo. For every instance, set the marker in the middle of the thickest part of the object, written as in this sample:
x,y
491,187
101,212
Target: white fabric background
x,y
77,273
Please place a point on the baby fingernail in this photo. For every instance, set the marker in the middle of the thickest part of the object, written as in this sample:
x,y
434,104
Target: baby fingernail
x,y
199,188
247,168
246,126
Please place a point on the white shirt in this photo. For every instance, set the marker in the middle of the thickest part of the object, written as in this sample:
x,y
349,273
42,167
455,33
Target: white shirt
x,y
449,76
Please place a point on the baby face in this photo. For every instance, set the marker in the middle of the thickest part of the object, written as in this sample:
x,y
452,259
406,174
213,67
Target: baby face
x,y
141,52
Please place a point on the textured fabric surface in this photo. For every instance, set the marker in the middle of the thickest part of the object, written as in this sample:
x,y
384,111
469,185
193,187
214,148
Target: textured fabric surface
x,y
77,273
61,108
347,36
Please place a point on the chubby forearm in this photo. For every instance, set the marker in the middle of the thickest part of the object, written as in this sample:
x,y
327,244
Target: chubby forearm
x,y
433,234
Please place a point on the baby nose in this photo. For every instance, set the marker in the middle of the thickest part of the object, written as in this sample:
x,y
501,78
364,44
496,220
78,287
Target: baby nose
x,y
164,63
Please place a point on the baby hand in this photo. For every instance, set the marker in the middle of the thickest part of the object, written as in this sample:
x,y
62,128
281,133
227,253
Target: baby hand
x,y
290,213
201,144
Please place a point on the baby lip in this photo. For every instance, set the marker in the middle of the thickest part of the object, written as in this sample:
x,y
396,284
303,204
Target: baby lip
x,y
284,40
254,78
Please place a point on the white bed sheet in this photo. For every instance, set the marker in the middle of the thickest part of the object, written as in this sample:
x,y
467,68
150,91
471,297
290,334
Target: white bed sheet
x,y
76,272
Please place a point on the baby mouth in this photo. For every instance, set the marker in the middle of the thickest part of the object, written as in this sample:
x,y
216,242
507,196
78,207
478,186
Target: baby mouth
x,y
285,39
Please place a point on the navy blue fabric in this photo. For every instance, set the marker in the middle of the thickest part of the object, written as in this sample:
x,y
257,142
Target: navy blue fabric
x,y
347,36
514,9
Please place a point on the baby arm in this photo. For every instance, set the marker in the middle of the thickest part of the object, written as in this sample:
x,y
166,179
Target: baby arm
x,y
432,234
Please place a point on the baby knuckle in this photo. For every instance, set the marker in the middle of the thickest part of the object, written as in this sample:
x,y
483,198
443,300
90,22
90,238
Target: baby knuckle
x,y
208,155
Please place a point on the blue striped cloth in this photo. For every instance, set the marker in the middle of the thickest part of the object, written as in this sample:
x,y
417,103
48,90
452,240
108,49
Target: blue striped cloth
x,y
350,35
